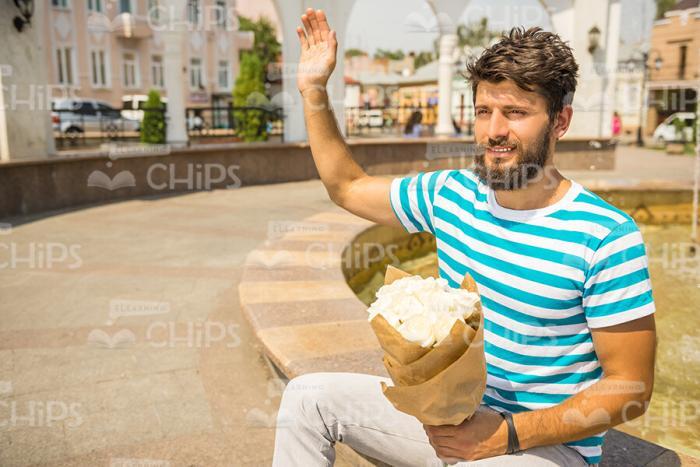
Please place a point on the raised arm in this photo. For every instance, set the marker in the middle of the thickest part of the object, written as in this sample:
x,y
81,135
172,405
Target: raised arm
x,y
345,181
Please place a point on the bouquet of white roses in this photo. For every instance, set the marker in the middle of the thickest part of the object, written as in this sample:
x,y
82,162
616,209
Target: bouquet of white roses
x,y
432,336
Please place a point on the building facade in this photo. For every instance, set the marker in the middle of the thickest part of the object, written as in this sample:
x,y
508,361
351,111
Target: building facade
x,y
673,65
106,49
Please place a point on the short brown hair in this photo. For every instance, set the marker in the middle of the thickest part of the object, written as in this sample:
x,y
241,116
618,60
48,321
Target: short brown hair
x,y
535,60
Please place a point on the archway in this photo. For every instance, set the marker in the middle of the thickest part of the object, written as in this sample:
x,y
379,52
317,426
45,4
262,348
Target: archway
x,y
571,20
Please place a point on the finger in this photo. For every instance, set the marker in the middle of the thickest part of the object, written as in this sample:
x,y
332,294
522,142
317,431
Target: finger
x,y
440,430
449,452
302,39
309,29
315,26
333,42
323,24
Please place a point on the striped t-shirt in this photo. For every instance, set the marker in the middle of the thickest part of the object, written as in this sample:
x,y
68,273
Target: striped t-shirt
x,y
546,277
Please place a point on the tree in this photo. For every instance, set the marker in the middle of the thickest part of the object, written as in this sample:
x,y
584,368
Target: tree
x,y
422,58
391,55
250,92
471,35
476,34
349,53
662,6
153,124
266,46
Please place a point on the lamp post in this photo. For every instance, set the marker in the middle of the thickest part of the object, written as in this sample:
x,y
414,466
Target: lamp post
x,y
26,11
643,101
696,172
593,39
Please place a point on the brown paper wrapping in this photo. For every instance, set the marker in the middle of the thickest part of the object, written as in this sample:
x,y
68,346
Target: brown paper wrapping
x,y
442,385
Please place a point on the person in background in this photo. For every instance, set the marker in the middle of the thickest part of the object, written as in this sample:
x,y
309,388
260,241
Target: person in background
x,y
413,126
616,126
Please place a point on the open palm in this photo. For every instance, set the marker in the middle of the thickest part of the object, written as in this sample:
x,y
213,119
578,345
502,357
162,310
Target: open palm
x,y
318,51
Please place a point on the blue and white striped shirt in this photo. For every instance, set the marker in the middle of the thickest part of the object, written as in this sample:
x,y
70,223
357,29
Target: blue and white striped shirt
x,y
546,277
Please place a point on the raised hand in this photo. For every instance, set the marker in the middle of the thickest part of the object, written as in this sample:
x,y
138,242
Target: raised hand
x,y
318,51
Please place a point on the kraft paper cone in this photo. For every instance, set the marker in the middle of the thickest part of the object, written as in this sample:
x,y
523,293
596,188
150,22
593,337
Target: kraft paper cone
x,y
394,344
442,385
452,395
433,362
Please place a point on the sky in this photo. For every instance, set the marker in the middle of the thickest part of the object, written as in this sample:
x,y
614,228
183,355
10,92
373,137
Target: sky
x,y
384,24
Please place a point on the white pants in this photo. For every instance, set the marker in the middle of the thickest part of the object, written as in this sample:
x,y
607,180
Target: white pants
x,y
320,409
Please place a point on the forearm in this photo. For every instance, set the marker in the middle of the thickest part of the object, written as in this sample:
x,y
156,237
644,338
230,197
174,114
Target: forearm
x,y
331,154
609,402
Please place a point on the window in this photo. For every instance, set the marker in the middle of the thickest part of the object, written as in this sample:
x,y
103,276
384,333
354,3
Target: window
x,y
60,3
130,70
125,6
682,62
157,71
154,11
193,11
95,6
64,65
223,75
196,81
98,68
220,13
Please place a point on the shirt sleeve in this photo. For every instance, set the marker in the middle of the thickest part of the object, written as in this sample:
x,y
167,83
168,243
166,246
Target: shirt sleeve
x,y
413,198
617,287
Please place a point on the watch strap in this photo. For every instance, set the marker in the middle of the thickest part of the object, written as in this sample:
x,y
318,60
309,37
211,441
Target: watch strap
x,y
513,442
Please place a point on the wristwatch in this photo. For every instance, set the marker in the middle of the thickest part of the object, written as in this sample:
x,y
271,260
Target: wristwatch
x,y
513,442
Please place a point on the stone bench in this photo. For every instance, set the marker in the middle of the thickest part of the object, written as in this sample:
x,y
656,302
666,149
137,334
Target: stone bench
x,y
295,293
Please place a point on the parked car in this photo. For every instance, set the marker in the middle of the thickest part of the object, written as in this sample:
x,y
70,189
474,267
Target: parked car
x,y
75,116
133,109
666,131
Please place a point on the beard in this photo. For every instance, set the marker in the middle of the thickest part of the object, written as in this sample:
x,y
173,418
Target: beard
x,y
529,164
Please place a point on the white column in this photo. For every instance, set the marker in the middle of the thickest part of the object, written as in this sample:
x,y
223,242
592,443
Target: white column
x,y
174,71
25,107
290,12
448,42
612,46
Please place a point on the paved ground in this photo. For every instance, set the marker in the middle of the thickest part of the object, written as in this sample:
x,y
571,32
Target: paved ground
x,y
130,345
635,166
185,384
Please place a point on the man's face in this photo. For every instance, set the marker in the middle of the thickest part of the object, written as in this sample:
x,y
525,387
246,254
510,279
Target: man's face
x,y
513,127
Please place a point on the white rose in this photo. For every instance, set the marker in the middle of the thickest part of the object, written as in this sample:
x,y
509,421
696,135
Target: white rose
x,y
423,310
418,329
443,326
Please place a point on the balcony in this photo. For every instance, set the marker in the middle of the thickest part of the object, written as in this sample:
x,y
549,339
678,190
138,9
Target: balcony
x,y
128,26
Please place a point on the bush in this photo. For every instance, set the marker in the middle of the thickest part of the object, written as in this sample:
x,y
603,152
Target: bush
x,y
250,92
153,124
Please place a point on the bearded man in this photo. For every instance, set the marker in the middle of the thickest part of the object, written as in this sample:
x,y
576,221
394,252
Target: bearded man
x,y
569,334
